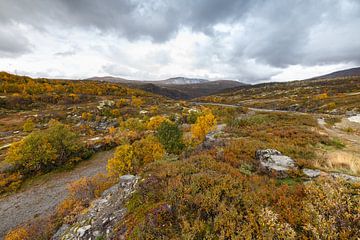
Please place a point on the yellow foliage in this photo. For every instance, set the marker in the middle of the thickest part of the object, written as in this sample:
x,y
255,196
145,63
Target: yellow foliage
x,y
112,130
321,96
86,116
154,109
148,150
115,112
20,233
121,102
136,101
203,125
121,163
29,125
155,122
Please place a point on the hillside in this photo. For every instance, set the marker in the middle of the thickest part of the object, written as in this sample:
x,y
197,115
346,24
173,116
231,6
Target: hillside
x,y
335,95
176,88
339,74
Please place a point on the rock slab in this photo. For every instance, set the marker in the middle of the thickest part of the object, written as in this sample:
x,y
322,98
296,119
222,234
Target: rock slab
x,y
103,214
273,161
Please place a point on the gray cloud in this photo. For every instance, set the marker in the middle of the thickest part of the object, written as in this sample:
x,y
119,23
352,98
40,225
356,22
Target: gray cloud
x,y
273,34
12,42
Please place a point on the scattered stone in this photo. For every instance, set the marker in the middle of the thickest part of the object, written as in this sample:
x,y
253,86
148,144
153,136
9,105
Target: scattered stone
x,y
272,160
105,103
81,231
311,173
143,112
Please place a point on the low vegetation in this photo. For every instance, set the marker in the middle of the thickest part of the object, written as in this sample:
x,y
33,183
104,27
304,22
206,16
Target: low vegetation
x,y
335,95
200,177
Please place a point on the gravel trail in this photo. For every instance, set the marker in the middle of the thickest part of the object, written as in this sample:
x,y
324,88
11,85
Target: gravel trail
x,y
42,195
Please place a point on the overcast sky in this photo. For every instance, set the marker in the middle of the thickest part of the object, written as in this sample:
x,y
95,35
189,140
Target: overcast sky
x,y
249,40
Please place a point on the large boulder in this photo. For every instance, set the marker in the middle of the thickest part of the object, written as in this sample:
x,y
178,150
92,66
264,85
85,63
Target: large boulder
x,y
273,161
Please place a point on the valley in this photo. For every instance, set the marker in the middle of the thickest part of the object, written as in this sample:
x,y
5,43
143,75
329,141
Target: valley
x,y
247,151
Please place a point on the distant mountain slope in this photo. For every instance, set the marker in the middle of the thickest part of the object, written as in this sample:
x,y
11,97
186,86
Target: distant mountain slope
x,y
181,81
343,73
176,88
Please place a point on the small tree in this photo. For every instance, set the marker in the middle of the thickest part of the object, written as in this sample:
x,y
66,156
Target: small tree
x,y
170,136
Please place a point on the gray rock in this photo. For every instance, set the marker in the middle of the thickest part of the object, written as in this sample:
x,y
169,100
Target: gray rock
x,y
81,231
272,160
345,177
311,173
102,215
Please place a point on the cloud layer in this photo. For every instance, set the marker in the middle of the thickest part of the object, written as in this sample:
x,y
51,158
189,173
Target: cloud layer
x,y
240,39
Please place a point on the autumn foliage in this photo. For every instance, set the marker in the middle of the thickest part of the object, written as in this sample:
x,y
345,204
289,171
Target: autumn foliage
x,y
128,158
203,125
45,150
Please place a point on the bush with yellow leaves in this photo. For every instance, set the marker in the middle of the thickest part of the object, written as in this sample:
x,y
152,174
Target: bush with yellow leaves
x,y
148,150
203,125
155,122
121,163
129,158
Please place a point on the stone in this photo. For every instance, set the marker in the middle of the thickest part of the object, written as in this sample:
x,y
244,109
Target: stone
x,y
103,214
271,160
311,173
345,177
82,230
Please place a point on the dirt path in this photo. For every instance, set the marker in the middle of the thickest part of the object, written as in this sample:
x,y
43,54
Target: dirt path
x,y
43,194
334,132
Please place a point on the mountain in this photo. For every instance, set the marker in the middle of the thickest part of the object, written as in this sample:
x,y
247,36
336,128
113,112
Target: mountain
x,y
351,72
176,88
181,81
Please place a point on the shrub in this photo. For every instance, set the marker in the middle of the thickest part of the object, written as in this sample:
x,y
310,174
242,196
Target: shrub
x,y
155,122
122,162
129,158
148,150
170,136
20,233
10,182
32,154
203,125
133,124
45,150
136,101
29,125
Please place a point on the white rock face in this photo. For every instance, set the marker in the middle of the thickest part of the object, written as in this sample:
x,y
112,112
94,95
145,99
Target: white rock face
x,y
355,118
272,160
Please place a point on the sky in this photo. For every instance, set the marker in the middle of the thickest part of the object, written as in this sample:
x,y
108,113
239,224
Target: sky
x,y
247,40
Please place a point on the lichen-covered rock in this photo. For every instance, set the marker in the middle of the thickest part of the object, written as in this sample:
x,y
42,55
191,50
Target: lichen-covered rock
x,y
102,215
345,177
272,161
311,173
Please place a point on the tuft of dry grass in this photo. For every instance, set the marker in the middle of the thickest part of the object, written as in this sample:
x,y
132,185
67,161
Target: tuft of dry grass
x,y
340,160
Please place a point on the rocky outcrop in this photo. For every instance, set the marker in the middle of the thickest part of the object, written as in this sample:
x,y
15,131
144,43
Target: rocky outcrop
x,y
102,215
345,177
273,161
